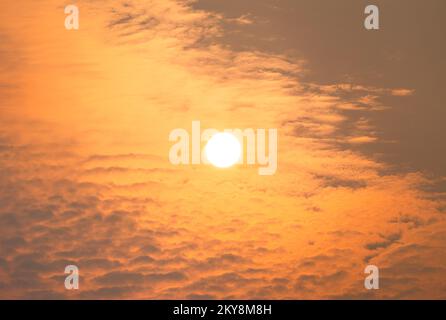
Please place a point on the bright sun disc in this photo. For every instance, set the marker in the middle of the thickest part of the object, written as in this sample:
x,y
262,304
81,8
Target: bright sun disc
x,y
223,150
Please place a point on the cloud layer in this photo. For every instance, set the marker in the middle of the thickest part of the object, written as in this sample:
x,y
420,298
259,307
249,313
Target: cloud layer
x,y
85,177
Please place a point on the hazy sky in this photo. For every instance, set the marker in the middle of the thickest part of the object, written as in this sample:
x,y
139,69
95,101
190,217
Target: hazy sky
x,y
85,178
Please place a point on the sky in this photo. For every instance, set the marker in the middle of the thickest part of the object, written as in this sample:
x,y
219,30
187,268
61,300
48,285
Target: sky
x,y
85,176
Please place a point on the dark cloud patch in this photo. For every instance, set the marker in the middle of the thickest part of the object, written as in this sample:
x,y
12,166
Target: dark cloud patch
x,y
3,263
44,295
32,262
166,277
123,19
38,215
130,277
313,261
218,262
12,243
99,263
88,202
149,248
413,221
219,284
387,241
345,233
9,220
111,292
120,278
335,182
142,260
199,296
314,282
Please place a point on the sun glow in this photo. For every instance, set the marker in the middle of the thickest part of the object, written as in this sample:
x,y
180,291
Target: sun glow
x,y
223,150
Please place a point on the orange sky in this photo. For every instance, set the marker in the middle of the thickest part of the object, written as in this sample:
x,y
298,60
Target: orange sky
x,y
85,178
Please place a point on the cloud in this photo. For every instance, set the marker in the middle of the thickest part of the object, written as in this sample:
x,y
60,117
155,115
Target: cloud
x,y
120,277
388,240
90,183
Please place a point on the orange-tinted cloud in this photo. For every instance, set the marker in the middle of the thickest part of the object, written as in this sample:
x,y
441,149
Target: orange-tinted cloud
x,y
85,176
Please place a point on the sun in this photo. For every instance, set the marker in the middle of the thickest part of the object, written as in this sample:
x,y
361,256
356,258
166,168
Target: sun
x,y
223,150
